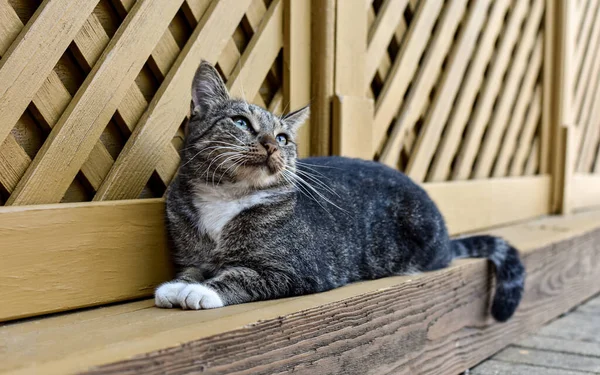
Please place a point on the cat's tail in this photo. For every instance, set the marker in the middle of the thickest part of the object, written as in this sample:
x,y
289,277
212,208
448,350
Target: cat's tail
x,y
510,272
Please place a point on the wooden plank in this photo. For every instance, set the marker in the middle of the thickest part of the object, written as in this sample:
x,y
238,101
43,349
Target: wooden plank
x,y
381,33
79,128
515,123
525,140
34,53
422,85
496,201
440,168
585,191
447,90
50,271
171,104
561,345
404,68
352,132
323,74
488,94
494,367
428,322
296,66
548,359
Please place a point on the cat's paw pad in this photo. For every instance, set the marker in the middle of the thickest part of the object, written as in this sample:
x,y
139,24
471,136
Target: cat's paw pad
x,y
196,297
166,294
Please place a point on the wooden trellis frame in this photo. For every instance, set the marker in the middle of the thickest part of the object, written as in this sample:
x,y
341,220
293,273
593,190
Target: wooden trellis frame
x,y
457,94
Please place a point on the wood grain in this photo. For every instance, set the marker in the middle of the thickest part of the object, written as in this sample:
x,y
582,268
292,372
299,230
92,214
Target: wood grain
x,y
436,323
60,257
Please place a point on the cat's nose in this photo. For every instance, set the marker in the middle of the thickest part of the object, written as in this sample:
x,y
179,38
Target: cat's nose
x,y
269,143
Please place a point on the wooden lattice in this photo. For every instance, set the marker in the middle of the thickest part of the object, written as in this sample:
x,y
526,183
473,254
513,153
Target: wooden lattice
x,y
585,86
457,86
93,94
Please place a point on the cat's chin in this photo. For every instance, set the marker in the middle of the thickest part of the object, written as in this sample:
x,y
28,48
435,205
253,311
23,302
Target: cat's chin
x,y
258,176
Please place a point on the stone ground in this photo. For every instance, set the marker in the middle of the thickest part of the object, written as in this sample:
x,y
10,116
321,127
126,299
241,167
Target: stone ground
x,y
569,345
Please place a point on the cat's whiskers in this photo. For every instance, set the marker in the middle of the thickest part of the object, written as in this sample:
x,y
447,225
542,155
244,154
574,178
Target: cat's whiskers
x,y
306,184
302,189
320,183
234,157
238,161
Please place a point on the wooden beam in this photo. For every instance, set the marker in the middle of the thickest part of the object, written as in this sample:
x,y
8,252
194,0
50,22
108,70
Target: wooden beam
x,y
585,191
296,64
61,257
98,246
323,74
437,322
476,204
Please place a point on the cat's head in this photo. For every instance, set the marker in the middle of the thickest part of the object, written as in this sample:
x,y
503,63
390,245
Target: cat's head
x,y
231,141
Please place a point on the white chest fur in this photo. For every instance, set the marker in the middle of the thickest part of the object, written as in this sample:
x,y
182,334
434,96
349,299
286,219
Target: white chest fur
x,y
216,211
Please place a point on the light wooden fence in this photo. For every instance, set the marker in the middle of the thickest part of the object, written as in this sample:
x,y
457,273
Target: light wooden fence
x,y
463,96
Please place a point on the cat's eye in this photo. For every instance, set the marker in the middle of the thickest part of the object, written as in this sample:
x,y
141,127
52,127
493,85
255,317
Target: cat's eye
x,y
282,139
242,123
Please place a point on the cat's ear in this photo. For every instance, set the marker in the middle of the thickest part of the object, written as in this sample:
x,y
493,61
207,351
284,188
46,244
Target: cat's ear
x,y
294,119
208,88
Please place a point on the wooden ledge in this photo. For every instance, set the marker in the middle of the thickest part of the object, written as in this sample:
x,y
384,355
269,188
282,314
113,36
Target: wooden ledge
x,y
432,323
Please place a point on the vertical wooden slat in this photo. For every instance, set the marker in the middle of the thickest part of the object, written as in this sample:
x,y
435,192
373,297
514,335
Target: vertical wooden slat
x,y
323,74
563,141
548,84
352,110
296,63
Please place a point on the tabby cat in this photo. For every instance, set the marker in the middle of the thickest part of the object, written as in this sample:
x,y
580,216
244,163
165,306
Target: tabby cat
x,y
248,221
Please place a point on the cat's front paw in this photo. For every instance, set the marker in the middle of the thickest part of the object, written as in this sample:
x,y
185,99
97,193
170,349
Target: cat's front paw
x,y
166,294
197,296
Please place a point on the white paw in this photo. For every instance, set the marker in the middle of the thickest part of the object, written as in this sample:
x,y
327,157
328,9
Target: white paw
x,y
166,294
196,297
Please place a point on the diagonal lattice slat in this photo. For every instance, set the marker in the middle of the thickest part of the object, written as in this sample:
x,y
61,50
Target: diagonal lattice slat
x,y
73,138
170,106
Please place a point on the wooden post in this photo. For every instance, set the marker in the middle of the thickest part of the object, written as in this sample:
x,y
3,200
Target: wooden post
x,y
560,96
322,88
296,66
353,111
